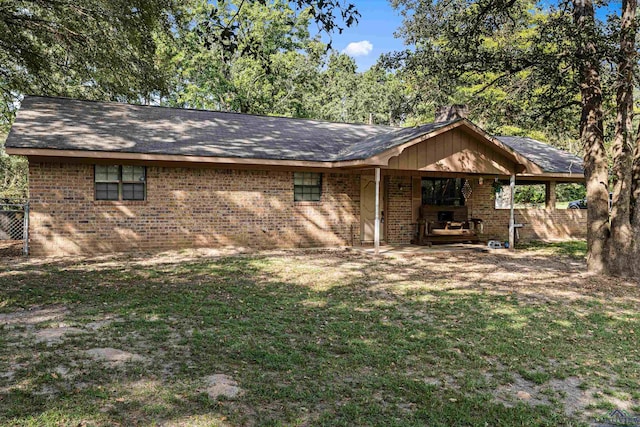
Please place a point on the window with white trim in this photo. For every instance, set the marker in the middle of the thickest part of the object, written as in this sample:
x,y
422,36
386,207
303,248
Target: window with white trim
x,y
120,182
307,186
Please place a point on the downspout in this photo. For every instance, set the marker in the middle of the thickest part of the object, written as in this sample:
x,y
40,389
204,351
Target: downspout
x,y
376,227
512,215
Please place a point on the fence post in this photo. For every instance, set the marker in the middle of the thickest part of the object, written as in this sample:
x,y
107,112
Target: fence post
x,y
25,233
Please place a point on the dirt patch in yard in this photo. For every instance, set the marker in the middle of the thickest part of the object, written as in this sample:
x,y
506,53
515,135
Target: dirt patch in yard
x,y
114,356
567,390
34,315
221,385
55,335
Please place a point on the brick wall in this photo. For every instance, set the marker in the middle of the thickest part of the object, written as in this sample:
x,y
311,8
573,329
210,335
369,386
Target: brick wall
x,y
547,224
481,205
187,207
398,216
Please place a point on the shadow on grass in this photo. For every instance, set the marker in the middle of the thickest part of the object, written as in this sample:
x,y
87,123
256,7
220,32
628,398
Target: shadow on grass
x,y
315,338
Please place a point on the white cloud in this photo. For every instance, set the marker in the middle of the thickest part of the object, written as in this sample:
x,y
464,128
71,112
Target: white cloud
x,y
362,48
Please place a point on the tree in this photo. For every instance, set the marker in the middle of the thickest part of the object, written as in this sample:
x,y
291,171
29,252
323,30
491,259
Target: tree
x,y
13,176
340,81
275,67
106,49
275,78
592,133
621,243
383,97
375,95
83,48
541,62
505,64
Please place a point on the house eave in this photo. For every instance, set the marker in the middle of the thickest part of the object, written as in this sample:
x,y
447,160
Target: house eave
x,y
554,176
144,157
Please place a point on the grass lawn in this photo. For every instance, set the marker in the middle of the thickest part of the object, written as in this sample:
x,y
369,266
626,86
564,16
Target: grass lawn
x,y
317,337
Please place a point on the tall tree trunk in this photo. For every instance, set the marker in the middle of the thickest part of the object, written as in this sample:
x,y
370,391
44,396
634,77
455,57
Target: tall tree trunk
x,y
635,205
620,245
592,136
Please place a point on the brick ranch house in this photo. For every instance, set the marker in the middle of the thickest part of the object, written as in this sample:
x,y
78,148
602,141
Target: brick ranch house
x,y
106,177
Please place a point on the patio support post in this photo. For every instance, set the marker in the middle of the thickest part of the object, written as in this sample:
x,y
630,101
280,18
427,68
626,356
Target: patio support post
x,y
512,215
376,227
550,195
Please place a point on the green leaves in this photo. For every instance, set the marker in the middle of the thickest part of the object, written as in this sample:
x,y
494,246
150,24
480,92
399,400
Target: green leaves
x,y
511,61
270,65
224,26
13,178
95,49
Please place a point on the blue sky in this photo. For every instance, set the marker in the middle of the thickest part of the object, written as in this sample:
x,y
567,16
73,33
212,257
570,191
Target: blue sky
x,y
377,24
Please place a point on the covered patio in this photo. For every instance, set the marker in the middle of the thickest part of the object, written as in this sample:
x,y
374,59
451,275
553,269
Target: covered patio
x,y
441,188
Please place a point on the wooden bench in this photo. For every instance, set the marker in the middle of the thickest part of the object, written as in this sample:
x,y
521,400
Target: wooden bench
x,y
446,224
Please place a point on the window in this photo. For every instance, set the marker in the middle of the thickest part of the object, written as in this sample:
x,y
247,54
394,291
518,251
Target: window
x,y
442,191
107,182
307,186
113,182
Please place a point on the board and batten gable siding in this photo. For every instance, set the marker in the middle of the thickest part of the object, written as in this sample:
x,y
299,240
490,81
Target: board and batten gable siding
x,y
187,207
453,151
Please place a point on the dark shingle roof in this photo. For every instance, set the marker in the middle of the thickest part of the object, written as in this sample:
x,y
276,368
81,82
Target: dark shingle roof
x,y
68,124
550,159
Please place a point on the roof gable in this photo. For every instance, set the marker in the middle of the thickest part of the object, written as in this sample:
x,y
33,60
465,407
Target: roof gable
x,y
457,150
